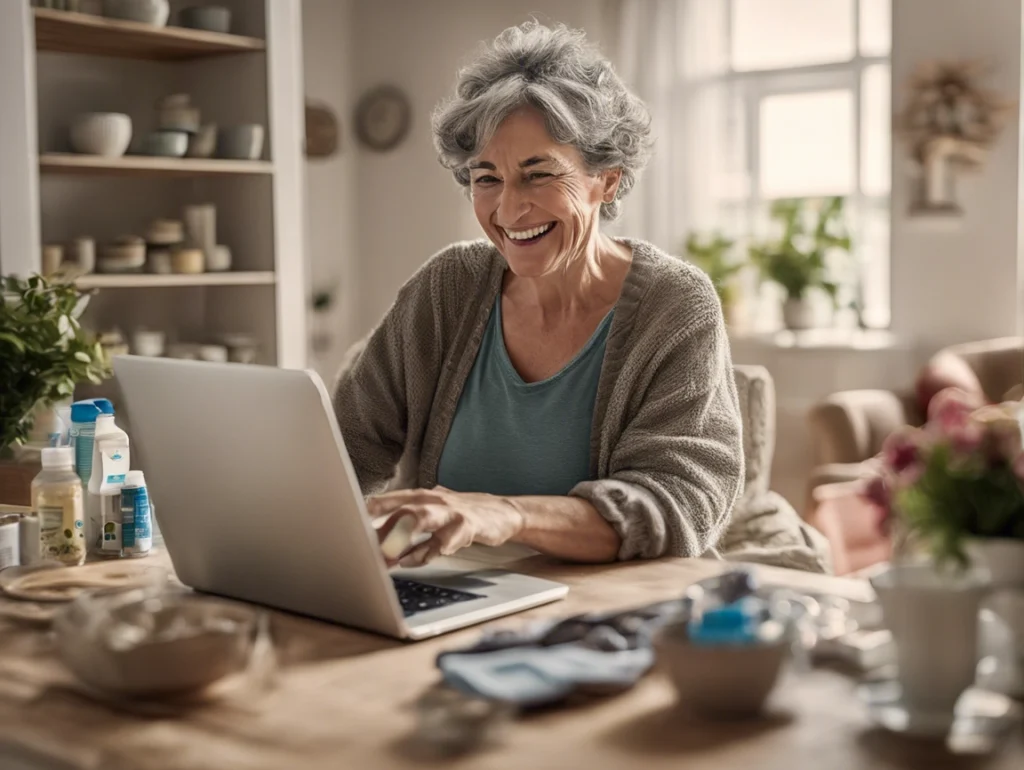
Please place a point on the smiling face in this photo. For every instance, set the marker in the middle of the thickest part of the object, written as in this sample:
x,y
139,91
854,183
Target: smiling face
x,y
535,198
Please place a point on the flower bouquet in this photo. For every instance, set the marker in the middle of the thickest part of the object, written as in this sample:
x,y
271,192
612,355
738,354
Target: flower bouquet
x,y
955,482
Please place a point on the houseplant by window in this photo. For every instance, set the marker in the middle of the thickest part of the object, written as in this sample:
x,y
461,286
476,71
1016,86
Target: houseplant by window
x,y
797,260
955,488
44,352
713,254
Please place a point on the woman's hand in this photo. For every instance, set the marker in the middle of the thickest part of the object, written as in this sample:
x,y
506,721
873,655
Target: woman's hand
x,y
454,519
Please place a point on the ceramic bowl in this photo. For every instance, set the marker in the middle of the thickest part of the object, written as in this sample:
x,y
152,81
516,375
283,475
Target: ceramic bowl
x,y
211,18
244,142
165,232
153,12
203,143
125,255
719,682
166,144
148,343
101,133
128,645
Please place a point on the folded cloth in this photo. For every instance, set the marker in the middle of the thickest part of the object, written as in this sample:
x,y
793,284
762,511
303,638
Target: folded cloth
x,y
595,653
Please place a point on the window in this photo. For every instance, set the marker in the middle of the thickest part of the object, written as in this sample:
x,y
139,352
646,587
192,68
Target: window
x,y
809,115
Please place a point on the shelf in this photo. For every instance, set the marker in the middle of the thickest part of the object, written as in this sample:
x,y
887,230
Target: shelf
x,y
82,33
145,280
142,165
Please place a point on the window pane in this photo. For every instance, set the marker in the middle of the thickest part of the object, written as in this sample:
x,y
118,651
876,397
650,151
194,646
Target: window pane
x,y
872,247
875,27
875,131
806,144
771,34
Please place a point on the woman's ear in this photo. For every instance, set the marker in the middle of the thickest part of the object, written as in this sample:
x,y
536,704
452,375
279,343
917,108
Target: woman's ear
x,y
612,177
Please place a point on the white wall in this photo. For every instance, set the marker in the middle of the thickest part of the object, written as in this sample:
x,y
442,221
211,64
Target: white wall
x,y
331,184
408,206
953,283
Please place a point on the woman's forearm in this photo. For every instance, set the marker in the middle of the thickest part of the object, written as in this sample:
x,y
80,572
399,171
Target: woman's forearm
x,y
565,527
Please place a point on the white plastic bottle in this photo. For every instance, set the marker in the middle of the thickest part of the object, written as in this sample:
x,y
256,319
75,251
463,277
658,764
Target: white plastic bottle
x,y
111,460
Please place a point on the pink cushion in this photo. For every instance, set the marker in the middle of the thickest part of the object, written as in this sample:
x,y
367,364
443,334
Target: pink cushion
x,y
850,524
946,370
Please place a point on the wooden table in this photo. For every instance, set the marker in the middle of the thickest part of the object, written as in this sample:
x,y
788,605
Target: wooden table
x,y
345,701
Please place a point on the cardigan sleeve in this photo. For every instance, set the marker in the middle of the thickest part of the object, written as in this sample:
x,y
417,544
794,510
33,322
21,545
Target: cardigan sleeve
x,y
677,468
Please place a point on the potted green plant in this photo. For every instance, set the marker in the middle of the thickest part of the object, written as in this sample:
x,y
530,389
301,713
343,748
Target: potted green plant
x,y
712,254
956,486
796,259
44,352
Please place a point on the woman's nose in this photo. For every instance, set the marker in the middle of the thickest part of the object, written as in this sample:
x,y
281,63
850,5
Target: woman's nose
x,y
512,204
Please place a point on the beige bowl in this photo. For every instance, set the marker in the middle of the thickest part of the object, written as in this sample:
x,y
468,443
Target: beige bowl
x,y
180,664
723,682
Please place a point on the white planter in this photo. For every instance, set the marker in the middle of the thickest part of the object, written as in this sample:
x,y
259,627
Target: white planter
x,y
1003,557
798,314
933,617
101,133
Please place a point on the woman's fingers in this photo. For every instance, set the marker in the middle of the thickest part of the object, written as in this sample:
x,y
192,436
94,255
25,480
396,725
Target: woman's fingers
x,y
389,502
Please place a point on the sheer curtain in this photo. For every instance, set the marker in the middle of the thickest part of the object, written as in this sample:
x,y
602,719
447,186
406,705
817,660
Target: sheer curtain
x,y
670,53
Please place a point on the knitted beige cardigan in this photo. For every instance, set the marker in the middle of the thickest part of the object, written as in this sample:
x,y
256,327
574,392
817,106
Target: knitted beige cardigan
x,y
666,453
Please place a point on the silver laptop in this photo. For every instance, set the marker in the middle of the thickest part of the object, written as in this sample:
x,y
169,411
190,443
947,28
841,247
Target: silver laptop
x,y
257,500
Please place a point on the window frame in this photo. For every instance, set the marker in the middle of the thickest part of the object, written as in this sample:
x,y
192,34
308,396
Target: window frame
x,y
748,88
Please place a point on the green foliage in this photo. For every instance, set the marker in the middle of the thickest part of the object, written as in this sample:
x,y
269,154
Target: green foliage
x,y
796,259
957,498
711,254
44,352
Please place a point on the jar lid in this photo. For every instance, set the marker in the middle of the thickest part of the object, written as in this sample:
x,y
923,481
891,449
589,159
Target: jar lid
x,y
58,458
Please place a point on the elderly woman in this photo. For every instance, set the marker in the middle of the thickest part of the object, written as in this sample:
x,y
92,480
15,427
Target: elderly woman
x,y
551,385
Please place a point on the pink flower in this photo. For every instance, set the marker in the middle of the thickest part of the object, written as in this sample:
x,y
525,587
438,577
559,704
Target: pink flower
x,y
950,409
902,454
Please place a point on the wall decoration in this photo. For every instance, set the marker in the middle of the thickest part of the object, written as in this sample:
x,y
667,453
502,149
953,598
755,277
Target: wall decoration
x,y
948,123
383,117
321,130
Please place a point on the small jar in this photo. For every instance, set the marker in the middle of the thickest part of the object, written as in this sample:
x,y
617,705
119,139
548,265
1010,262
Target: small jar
x,y
188,261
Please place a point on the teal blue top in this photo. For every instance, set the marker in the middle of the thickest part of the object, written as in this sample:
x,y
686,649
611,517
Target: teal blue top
x,y
511,437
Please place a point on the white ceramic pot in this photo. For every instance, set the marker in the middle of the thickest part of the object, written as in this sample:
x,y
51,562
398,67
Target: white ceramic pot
x,y
148,343
210,18
1008,604
798,314
1002,557
153,12
933,617
243,142
101,133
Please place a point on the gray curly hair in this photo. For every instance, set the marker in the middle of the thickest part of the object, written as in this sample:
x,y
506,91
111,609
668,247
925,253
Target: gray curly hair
x,y
555,70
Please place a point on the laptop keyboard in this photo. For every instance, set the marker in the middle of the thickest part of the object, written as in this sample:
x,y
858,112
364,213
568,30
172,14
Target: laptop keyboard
x,y
420,597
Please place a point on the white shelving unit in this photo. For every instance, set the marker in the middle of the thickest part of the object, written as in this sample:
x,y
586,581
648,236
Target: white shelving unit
x,y
54,65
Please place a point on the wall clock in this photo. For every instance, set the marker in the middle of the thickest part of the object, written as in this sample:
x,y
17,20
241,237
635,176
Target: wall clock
x,y
383,117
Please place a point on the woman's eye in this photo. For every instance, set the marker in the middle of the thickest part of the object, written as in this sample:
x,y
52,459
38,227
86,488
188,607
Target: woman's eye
x,y
486,179
538,175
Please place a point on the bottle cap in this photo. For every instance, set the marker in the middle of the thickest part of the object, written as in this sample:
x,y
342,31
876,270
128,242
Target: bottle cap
x,y
134,479
58,458
89,409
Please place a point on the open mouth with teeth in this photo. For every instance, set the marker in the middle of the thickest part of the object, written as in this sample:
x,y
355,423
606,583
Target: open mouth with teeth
x,y
530,235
